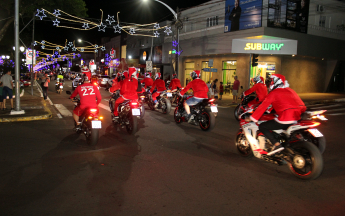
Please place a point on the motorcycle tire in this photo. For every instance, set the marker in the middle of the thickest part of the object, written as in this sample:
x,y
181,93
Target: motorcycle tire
x,y
142,114
133,124
319,142
245,151
312,158
210,121
75,125
92,139
177,116
151,105
237,112
111,105
168,106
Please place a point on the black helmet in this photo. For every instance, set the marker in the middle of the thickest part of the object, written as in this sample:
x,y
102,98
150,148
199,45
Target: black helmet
x,y
85,78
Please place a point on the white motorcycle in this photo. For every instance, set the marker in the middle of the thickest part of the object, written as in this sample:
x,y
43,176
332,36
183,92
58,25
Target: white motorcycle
x,y
303,158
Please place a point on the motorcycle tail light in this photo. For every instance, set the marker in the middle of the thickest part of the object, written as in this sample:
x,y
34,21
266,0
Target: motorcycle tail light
x,y
315,124
211,100
93,110
134,103
101,117
90,117
142,96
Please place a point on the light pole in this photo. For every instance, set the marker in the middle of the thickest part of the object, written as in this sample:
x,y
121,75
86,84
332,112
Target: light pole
x,y
80,40
177,31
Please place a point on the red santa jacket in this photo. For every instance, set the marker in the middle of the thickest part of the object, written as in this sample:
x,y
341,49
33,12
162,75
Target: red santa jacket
x,y
148,82
287,104
174,84
87,72
260,89
199,88
115,86
129,88
89,95
159,84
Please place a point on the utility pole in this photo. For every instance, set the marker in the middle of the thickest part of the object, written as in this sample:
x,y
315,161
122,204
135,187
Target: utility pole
x,y
250,67
33,55
178,41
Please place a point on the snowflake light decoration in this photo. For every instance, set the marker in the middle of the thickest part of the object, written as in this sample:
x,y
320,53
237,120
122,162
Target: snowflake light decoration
x,y
101,27
82,50
34,43
40,16
78,55
66,48
175,43
56,12
156,26
43,42
167,30
96,50
86,26
56,22
59,56
67,58
156,34
106,55
103,48
70,44
56,53
42,46
131,31
117,28
110,19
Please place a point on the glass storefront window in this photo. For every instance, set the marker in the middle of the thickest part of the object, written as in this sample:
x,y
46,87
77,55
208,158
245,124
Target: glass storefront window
x,y
206,76
189,67
229,72
264,69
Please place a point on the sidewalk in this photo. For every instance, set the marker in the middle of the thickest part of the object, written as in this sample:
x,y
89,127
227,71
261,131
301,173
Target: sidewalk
x,y
34,106
308,99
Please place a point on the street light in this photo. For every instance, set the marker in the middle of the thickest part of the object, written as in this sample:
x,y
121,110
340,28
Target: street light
x,y
8,57
3,57
177,29
20,48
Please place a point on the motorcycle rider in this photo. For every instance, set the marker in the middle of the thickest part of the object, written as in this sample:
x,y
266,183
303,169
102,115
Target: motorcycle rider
x,y
128,89
200,90
86,71
160,85
116,83
148,81
259,88
287,104
175,83
90,97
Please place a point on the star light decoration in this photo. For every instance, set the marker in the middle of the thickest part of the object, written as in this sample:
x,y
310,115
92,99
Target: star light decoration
x,y
56,53
86,26
110,19
56,12
156,26
70,44
131,31
78,55
167,30
74,49
40,16
82,50
101,27
117,28
66,48
103,48
156,34
43,42
96,46
56,22
96,50
42,46
34,43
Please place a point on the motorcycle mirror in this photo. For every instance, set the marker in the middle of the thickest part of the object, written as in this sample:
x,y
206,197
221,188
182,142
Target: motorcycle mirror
x,y
68,92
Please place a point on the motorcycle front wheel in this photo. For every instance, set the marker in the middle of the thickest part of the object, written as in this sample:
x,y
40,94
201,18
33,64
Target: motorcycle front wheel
x,y
177,116
306,162
242,145
208,121
166,106
142,114
132,127
237,112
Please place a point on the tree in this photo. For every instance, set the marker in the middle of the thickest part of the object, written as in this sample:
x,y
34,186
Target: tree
x,y
27,8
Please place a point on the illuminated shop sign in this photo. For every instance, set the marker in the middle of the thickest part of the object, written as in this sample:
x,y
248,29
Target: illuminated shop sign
x,y
264,45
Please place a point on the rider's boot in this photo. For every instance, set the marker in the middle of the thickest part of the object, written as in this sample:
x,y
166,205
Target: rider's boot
x,y
190,118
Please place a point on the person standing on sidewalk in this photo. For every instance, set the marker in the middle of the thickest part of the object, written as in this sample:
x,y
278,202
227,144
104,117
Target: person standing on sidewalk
x,y
44,84
235,88
221,90
7,82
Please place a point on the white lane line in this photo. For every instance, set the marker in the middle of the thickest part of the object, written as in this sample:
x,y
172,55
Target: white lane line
x,y
50,102
106,99
59,115
321,107
63,110
104,107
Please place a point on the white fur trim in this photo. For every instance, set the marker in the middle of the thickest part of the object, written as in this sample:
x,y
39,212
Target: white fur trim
x,y
285,122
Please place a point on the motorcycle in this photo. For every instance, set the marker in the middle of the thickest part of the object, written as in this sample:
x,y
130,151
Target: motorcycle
x,y
174,96
303,158
243,106
91,123
163,102
129,112
76,82
114,96
201,116
59,86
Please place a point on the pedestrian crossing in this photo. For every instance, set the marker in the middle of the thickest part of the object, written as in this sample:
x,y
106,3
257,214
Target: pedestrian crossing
x,y
332,109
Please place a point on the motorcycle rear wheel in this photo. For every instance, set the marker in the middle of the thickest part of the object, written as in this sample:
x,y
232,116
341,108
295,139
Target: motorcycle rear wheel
x,y
167,106
177,119
92,139
132,127
307,163
244,150
142,111
210,122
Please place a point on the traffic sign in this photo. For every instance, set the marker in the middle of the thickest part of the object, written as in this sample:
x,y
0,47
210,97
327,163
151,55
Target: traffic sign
x,y
148,66
213,70
206,69
210,63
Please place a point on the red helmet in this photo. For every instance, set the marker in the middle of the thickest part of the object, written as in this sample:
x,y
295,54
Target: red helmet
x,y
158,75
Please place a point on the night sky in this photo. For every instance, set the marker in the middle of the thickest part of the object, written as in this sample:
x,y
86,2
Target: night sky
x,y
132,11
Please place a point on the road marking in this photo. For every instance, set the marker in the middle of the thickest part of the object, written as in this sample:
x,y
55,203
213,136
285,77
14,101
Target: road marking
x,y
106,99
63,110
50,102
59,115
104,107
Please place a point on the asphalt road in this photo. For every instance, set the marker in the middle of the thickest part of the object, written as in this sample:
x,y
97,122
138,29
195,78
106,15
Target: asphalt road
x,y
165,169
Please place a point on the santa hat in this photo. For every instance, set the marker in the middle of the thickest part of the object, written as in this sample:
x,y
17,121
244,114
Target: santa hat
x,y
158,75
197,73
125,74
132,71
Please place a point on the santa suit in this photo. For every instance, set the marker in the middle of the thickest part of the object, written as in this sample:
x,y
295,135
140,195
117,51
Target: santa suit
x,y
87,72
128,91
261,92
160,85
199,88
148,82
174,84
89,95
287,104
115,86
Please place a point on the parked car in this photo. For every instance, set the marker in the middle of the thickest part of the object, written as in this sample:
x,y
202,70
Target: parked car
x,y
103,80
110,81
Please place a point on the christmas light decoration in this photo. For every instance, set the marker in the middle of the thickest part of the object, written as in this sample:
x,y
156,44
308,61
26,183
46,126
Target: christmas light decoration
x,y
42,46
117,28
110,19
167,30
103,48
101,27
74,49
42,15
156,34
175,43
131,31
70,44
156,26
66,48
86,26
56,22
57,12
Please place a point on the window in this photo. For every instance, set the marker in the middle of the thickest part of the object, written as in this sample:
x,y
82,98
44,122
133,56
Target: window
x,y
229,72
189,67
212,21
206,76
322,21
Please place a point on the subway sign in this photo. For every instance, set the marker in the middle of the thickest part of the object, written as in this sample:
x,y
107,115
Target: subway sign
x,y
264,45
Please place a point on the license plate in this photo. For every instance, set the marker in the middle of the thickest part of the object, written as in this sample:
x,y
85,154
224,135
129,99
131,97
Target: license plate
x,y
96,124
169,94
315,132
136,112
61,86
214,109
